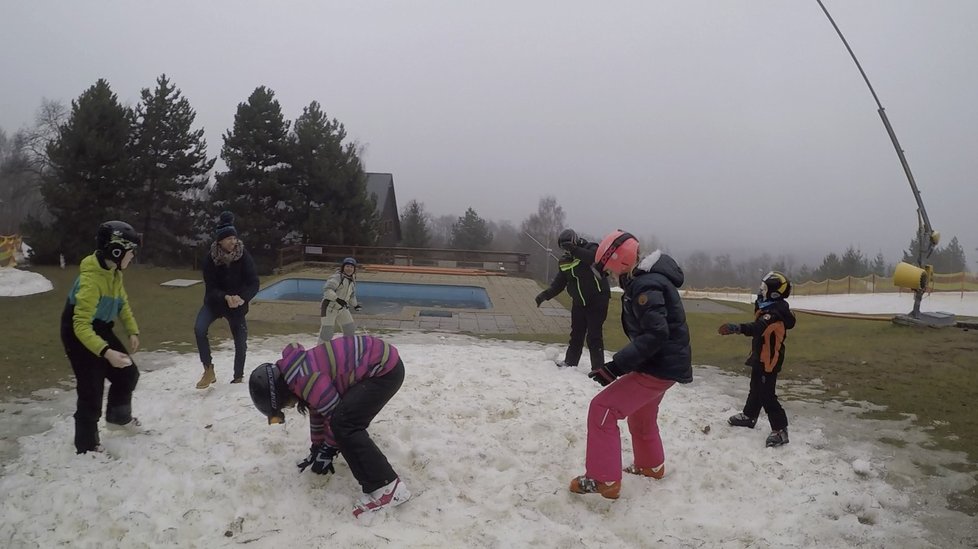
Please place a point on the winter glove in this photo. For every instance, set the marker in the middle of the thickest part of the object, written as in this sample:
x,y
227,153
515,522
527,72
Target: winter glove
x,y
729,328
540,298
358,308
342,303
321,458
605,374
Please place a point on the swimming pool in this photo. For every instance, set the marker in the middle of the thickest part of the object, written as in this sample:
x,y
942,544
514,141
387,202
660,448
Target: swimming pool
x,y
384,297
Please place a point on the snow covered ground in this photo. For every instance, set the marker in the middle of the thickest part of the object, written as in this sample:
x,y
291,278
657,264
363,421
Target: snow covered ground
x,y
487,434
965,304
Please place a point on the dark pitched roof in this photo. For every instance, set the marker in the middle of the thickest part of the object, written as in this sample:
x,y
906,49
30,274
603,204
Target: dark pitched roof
x,y
379,184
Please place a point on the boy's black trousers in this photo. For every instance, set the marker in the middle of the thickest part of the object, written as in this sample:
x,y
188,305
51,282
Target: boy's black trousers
x,y
91,371
587,322
762,395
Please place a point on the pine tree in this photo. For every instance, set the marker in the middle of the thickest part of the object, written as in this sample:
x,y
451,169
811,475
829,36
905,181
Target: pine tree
x,y
853,263
256,187
414,226
470,232
333,206
879,266
170,166
831,268
910,254
953,255
88,181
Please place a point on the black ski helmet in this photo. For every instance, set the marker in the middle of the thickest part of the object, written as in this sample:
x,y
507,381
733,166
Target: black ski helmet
x,y
115,238
269,391
774,285
567,236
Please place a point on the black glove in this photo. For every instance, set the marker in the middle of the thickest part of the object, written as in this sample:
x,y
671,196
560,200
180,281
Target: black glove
x,y
729,328
605,374
321,458
342,303
358,308
540,298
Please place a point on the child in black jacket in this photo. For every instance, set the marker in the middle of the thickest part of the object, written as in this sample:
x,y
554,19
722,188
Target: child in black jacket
x,y
589,291
772,320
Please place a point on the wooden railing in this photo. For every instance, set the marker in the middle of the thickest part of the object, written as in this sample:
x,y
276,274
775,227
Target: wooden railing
x,y
514,262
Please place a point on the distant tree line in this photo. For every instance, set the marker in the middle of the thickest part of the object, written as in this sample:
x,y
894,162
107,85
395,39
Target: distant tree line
x,y
539,231
704,271
285,182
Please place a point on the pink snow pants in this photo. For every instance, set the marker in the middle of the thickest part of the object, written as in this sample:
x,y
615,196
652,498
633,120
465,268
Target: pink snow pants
x,y
637,397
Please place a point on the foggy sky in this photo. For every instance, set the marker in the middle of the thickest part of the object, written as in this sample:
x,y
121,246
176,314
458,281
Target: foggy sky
x,y
713,125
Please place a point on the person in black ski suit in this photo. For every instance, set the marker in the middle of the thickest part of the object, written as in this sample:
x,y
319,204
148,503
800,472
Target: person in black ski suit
x,y
589,291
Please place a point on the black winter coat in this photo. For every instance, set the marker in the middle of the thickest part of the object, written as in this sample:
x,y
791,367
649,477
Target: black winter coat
x,y
584,285
653,318
237,278
767,333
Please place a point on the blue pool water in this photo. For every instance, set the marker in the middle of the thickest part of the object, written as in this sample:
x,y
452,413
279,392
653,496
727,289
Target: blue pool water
x,y
384,297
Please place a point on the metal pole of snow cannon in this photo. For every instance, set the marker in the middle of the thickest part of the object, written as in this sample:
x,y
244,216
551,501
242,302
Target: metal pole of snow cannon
x,y
925,231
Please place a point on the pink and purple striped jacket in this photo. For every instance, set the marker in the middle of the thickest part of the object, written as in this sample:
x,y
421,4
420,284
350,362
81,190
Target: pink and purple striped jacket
x,y
323,374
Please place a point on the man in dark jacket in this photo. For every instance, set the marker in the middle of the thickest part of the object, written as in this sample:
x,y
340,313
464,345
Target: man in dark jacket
x,y
589,291
230,282
656,357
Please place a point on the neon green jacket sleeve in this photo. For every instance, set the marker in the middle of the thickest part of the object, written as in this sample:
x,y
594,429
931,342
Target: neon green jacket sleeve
x,y
99,295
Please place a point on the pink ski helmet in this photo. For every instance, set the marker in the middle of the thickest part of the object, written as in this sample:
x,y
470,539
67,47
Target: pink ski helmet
x,y
617,253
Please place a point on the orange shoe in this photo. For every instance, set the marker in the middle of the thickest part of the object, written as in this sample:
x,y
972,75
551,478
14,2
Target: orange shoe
x,y
584,485
652,472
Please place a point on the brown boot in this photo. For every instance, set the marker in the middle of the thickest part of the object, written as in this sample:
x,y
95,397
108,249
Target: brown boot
x,y
652,472
207,378
584,485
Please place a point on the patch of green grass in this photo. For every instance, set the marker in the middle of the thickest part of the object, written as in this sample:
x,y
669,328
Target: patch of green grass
x,y
32,356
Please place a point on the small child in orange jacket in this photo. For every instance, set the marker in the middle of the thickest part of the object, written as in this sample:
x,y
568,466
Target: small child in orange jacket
x,y
772,320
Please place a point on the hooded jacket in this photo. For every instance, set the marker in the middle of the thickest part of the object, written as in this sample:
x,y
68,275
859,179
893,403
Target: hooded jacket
x,y
96,299
321,376
339,286
653,318
583,283
238,277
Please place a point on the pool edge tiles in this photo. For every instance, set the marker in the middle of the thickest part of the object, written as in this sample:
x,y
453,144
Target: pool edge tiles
x,y
513,308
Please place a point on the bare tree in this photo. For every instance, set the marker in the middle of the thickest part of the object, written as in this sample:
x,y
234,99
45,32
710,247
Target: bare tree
x,y
23,162
47,123
541,229
505,236
441,230
19,187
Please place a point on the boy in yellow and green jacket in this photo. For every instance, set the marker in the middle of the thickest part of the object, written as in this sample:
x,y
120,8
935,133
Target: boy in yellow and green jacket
x,y
96,299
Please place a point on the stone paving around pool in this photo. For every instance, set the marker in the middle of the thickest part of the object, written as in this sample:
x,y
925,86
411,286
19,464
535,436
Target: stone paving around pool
x,y
513,308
